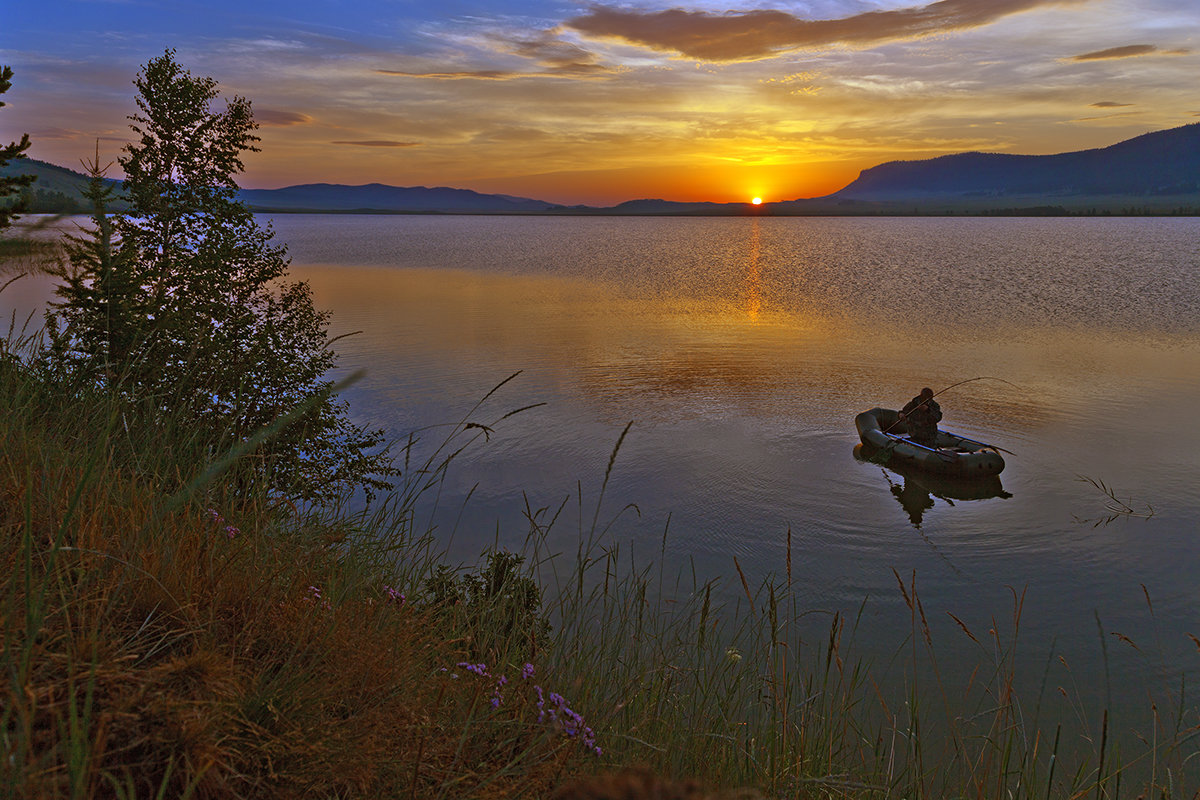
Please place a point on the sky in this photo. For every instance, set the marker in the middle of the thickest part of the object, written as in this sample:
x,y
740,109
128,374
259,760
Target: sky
x,y
601,102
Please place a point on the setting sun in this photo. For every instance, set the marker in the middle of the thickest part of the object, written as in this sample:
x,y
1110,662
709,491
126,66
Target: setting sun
x,y
757,201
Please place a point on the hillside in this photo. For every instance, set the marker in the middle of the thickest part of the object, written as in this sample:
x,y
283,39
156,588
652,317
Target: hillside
x,y
58,186
1160,164
57,190
380,197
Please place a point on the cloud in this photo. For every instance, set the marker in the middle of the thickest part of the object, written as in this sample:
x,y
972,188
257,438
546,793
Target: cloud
x,y
377,143
55,132
554,57
271,116
1128,51
555,54
1103,117
1110,104
741,36
486,75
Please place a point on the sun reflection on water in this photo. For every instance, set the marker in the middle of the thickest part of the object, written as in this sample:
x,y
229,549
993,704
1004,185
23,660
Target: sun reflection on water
x,y
753,275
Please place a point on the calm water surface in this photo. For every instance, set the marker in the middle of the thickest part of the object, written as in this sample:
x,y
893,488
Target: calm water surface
x,y
742,349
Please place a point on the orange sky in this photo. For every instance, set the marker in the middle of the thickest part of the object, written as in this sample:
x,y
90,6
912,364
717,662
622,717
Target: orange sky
x,y
580,102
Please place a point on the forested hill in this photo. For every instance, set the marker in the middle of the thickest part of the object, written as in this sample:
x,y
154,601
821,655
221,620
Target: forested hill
x,y
1155,164
380,197
57,190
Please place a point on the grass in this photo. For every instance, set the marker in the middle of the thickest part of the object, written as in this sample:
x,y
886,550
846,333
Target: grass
x,y
171,631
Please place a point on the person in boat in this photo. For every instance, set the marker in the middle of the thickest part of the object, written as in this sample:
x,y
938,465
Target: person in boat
x,y
921,416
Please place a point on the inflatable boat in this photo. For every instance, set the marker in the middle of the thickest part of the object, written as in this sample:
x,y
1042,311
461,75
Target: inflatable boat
x,y
951,455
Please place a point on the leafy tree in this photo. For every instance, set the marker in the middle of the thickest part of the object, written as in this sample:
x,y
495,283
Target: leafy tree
x,y
10,152
182,306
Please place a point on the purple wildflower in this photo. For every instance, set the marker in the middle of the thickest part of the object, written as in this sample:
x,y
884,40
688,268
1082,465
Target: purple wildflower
x,y
394,595
315,594
479,669
231,531
497,695
566,719
527,672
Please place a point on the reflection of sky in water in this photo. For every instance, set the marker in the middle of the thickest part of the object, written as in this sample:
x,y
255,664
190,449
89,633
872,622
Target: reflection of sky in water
x,y
743,348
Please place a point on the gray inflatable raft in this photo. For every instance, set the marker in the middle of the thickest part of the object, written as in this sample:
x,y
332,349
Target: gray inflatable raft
x,y
953,455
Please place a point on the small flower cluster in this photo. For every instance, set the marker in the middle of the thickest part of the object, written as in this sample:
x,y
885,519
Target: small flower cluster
x,y
230,530
314,594
482,671
393,595
561,716
556,712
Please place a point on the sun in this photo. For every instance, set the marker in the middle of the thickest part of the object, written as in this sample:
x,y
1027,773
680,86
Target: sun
x,y
757,201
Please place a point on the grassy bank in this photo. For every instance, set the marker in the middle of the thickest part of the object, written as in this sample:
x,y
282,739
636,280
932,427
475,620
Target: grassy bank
x,y
170,630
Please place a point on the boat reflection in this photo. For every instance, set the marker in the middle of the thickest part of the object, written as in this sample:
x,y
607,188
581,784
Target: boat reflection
x,y
917,489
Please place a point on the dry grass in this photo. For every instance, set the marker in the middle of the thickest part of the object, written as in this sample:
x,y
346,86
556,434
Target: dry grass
x,y
149,652
169,632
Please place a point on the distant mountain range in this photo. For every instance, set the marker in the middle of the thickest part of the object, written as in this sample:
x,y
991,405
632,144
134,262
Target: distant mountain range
x,y
1155,173
379,197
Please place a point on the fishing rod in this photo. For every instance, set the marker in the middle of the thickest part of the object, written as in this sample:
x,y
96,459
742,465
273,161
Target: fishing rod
x,y
952,386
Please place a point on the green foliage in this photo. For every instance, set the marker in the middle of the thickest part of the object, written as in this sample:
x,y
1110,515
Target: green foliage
x,y
506,604
43,201
183,306
10,184
95,331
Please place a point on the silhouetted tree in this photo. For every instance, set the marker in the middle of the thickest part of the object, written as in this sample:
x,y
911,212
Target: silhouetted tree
x,y
181,305
96,330
11,184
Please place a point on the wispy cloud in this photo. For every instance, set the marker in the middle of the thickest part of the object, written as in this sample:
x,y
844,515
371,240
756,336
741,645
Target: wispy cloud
x,y
552,53
1128,51
1105,117
376,143
488,75
55,133
1110,104
552,56
273,116
739,36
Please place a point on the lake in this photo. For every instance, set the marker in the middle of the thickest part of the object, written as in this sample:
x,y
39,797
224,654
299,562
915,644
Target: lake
x,y
742,348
